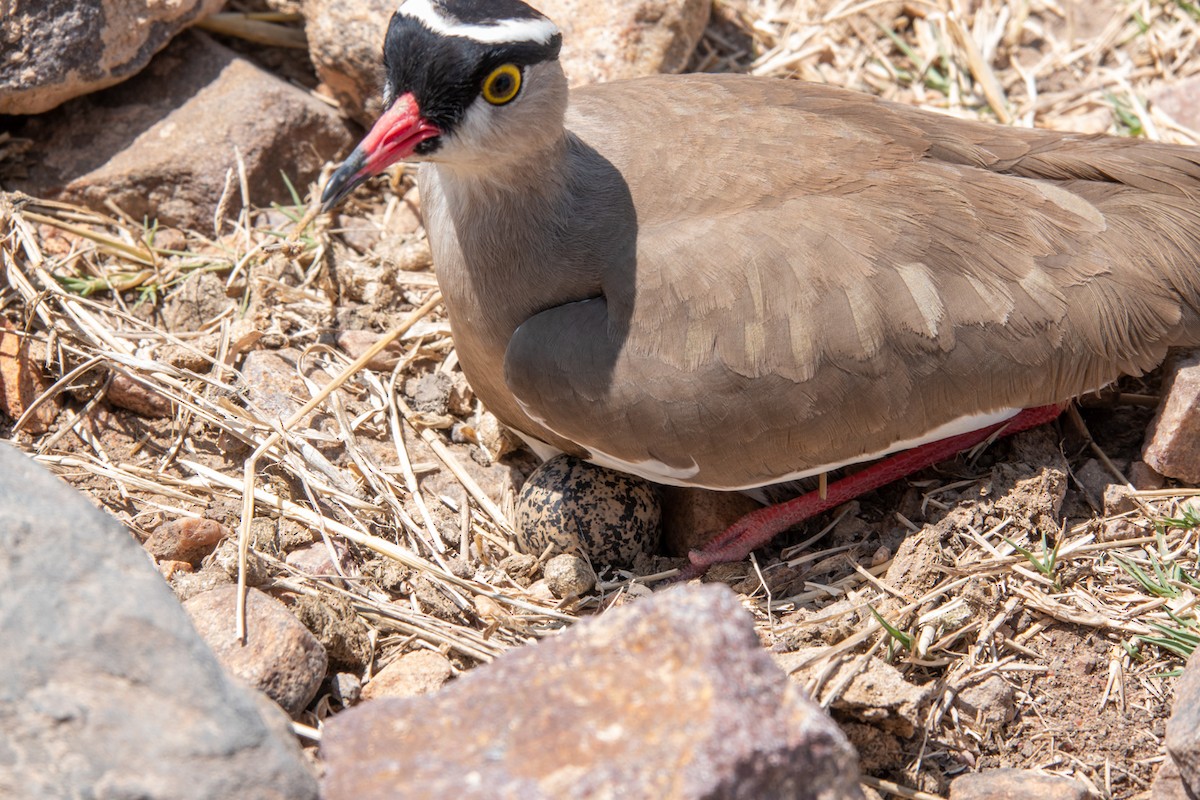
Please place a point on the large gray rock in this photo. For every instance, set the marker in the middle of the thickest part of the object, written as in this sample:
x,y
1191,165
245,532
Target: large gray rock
x,y
160,145
54,50
107,690
671,697
601,42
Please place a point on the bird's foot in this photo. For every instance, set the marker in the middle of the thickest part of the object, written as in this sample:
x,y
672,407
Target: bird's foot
x,y
761,526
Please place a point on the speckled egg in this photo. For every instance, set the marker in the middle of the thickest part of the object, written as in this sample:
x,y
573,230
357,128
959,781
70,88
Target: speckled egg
x,y
577,507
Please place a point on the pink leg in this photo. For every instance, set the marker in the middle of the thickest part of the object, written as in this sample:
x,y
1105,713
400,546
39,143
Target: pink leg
x,y
758,528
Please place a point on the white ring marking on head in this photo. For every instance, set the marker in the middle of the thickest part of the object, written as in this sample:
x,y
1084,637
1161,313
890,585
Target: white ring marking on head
x,y
506,31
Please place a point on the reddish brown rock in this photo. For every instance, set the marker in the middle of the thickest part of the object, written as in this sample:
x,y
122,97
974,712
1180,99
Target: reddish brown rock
x,y
22,382
669,697
692,517
412,674
159,146
187,540
124,392
1007,784
54,50
1172,445
280,657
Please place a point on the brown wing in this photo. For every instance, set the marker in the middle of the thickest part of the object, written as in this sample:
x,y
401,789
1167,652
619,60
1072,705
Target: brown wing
x,y
843,274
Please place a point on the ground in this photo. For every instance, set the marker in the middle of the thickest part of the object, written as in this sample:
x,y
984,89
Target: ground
x,y
1025,626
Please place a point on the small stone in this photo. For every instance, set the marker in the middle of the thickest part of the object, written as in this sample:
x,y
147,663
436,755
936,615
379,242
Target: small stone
x,y
346,688
991,703
355,343
416,673
461,400
1005,784
280,657
314,559
670,696
495,439
1144,478
877,693
571,506
22,382
519,567
1118,530
1180,101
429,392
1095,478
1172,445
187,540
337,627
1118,499
126,393
568,575
226,558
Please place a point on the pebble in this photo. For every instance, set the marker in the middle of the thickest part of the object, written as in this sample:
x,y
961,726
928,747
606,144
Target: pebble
x,y
188,540
568,575
280,657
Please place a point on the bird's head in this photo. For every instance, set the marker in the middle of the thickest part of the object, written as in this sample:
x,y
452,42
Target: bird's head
x,y
470,82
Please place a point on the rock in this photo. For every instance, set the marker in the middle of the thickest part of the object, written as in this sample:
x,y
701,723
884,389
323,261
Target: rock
x,y
22,382
124,392
495,439
346,688
1181,102
1172,445
991,703
412,674
314,559
601,42
187,540
692,517
160,145
1144,478
280,657
1095,479
1183,728
568,575
1118,499
611,41
671,696
1005,784
1168,783
274,388
197,302
877,694
342,635
107,690
357,342
570,506
54,50
430,392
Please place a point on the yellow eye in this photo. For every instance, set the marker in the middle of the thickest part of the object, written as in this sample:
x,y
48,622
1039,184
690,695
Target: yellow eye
x,y
502,85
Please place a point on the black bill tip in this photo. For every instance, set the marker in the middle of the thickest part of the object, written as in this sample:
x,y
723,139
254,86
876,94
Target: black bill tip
x,y
349,175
